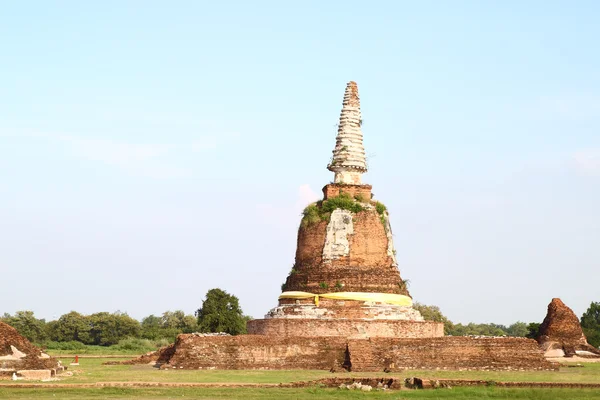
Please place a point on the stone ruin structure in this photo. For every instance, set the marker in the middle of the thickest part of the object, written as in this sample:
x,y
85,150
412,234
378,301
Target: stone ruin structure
x,y
345,281
560,334
21,359
344,304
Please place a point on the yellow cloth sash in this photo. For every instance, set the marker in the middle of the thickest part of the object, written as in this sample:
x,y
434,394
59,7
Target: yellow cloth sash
x,y
387,298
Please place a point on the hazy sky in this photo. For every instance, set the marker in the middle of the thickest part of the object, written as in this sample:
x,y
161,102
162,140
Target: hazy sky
x,y
150,151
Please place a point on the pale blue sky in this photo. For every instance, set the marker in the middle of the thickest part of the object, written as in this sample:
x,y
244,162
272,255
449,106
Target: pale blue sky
x,y
150,151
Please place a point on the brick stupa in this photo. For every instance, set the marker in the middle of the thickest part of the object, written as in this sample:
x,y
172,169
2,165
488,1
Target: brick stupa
x,y
560,333
345,280
344,304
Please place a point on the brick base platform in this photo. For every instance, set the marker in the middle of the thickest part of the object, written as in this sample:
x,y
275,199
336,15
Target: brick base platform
x,y
378,354
346,328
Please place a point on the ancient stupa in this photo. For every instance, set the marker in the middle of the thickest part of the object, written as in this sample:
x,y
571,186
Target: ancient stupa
x,y
345,280
21,358
344,304
560,333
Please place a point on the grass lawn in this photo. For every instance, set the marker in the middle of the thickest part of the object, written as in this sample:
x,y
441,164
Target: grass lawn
x,y
91,370
463,393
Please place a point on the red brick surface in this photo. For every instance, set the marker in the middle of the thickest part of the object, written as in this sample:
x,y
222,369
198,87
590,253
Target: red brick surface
x,y
268,352
334,189
345,328
561,330
367,268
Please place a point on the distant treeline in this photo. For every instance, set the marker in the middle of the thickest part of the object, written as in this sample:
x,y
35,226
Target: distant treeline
x,y
590,322
220,312
102,329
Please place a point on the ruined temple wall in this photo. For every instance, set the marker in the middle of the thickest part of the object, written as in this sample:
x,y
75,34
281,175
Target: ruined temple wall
x,y
375,354
334,190
347,309
257,352
366,268
286,327
477,353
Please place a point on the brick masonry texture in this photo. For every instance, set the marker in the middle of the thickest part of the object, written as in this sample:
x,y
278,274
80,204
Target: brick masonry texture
x,y
561,330
345,328
476,353
376,354
368,267
334,190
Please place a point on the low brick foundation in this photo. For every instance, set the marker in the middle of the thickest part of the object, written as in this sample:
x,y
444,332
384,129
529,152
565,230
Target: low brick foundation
x,y
358,355
36,374
256,352
451,352
345,328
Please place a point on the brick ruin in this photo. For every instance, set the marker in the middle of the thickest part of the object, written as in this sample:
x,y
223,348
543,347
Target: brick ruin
x,y
560,333
344,303
345,280
18,356
336,353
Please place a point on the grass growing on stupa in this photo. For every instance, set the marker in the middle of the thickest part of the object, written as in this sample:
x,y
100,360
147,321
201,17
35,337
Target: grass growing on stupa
x,y
321,210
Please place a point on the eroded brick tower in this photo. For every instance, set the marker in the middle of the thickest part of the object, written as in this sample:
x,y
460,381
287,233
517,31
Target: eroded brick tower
x,y
345,280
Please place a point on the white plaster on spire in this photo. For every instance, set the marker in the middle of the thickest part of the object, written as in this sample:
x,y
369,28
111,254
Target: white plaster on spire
x,y
336,240
349,160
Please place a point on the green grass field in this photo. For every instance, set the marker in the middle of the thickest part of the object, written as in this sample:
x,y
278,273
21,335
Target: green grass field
x,y
463,393
91,371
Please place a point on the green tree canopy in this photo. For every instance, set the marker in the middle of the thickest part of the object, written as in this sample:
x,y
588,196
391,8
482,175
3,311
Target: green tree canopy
x,y
221,312
433,313
533,330
151,327
169,325
69,327
27,325
518,329
590,322
107,329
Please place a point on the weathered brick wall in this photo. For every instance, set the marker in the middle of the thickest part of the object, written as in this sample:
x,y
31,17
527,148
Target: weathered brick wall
x,y
561,329
446,353
367,268
376,354
284,327
334,189
257,352
349,309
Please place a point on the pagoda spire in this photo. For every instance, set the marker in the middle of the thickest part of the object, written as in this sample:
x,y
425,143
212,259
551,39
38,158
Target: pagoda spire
x,y
349,161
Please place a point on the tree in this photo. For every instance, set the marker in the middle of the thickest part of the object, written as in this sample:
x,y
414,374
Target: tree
x,y
478,329
590,322
221,312
518,329
533,330
151,327
27,325
178,321
169,325
433,313
107,329
69,327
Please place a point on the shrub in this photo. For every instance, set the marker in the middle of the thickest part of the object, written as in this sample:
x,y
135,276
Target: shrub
x,y
311,215
380,207
321,210
70,345
343,201
135,345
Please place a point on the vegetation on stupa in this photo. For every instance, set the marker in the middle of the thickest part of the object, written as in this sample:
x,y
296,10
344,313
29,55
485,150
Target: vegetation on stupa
x,y
321,210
